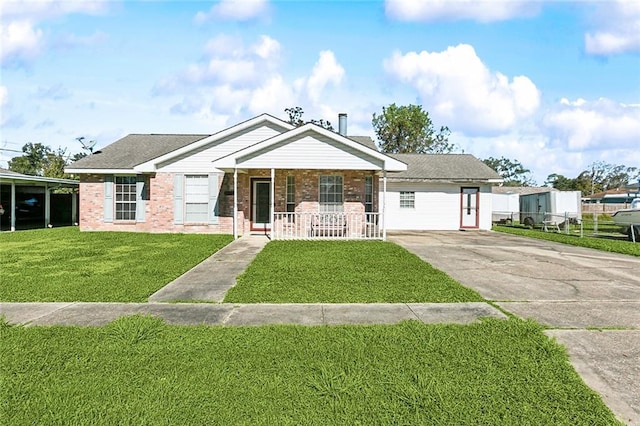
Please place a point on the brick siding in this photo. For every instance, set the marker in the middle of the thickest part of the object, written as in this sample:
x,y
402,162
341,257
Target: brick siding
x,y
159,206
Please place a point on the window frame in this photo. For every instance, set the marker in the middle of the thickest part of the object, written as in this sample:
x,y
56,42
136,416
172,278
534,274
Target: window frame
x,y
205,195
328,206
407,199
132,201
290,200
368,194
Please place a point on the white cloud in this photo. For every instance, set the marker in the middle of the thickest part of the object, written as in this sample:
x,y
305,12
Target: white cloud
x,y
234,10
454,10
20,42
4,96
274,95
227,62
326,71
597,125
267,48
617,28
460,91
46,9
237,79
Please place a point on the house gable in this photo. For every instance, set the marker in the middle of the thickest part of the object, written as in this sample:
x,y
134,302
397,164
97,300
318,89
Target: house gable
x,y
244,134
309,151
198,160
309,147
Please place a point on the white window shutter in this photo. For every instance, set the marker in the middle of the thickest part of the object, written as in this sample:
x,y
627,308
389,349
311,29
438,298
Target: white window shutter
x,y
178,199
141,195
213,198
107,209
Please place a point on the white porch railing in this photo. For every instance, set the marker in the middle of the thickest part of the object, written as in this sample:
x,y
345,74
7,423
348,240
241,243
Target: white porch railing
x,y
338,226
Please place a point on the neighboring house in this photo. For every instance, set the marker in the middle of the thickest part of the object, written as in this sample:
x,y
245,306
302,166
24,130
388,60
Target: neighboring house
x,y
29,201
614,196
320,183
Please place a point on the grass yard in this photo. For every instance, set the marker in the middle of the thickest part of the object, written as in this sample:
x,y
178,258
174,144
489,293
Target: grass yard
x,y
604,244
343,272
66,265
137,370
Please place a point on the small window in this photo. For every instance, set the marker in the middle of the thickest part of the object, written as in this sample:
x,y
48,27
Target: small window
x,y
331,190
291,194
407,200
368,194
125,194
196,199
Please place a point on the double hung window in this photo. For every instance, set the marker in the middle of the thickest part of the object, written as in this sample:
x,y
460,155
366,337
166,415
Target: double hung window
x,y
196,199
331,194
125,197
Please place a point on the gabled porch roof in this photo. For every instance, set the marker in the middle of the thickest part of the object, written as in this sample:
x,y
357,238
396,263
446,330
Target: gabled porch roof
x,y
309,147
151,165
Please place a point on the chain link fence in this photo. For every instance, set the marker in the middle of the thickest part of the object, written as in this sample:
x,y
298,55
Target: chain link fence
x,y
595,225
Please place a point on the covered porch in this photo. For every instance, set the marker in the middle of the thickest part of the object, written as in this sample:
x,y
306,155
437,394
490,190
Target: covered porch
x,y
308,183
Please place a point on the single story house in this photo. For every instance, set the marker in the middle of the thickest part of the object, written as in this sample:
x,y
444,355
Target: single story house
x,y
266,175
32,201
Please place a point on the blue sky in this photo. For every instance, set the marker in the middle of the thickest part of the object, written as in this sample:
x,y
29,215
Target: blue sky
x,y
552,84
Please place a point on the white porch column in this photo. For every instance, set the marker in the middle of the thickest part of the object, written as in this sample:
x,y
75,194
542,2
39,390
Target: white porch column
x,y
384,205
235,203
272,202
47,206
13,206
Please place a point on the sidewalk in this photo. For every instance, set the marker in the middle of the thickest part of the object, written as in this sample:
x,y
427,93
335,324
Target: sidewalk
x,y
97,314
210,280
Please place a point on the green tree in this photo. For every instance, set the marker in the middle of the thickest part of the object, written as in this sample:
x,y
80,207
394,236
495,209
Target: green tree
x,y
560,182
600,176
295,118
409,129
40,160
512,171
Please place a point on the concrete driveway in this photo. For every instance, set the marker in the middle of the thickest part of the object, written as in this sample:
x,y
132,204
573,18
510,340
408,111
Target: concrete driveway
x,y
590,300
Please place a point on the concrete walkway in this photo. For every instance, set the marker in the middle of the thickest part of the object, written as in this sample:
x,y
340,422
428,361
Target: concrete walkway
x,y
97,314
210,280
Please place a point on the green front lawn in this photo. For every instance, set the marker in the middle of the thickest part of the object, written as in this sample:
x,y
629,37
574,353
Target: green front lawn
x,y
65,265
604,244
138,371
343,272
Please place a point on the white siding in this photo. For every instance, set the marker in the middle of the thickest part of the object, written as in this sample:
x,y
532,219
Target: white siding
x,y
437,206
311,152
505,203
200,161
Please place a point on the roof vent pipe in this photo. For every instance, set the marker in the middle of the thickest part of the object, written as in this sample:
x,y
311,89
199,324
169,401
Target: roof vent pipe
x,y
342,124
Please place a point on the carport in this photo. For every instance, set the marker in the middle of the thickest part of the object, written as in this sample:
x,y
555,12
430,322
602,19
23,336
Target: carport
x,y
35,201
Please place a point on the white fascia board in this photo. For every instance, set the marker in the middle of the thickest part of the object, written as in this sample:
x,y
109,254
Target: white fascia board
x,y
26,178
150,166
100,171
230,160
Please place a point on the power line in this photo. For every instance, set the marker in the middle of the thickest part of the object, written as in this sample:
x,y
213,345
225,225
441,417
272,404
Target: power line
x,y
12,150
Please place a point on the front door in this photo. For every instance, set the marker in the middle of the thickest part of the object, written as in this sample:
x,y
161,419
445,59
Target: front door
x,y
261,201
469,207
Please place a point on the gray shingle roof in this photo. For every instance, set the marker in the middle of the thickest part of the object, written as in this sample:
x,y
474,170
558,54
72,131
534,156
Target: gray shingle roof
x,y
364,140
132,150
443,167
